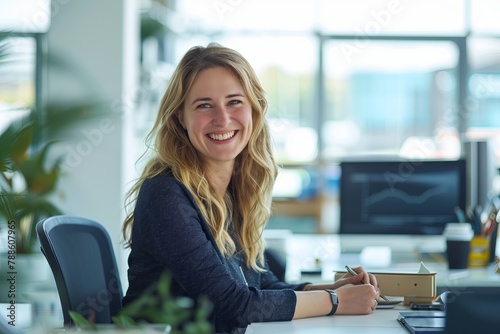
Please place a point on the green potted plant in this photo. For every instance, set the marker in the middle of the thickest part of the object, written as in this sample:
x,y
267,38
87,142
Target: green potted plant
x,y
29,172
27,180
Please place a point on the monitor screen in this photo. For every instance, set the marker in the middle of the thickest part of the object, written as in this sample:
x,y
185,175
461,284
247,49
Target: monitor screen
x,y
400,197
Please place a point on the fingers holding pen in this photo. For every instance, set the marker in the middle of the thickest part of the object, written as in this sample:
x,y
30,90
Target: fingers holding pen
x,y
360,276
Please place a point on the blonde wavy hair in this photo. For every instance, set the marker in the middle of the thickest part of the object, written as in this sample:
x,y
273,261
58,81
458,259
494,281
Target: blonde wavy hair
x,y
247,203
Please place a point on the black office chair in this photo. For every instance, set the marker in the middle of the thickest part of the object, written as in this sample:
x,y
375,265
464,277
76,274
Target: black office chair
x,y
277,264
81,257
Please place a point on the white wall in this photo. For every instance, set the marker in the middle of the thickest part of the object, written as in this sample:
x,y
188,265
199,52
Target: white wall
x,y
98,40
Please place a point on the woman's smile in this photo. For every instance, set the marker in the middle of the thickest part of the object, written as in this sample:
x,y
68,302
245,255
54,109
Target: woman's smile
x,y
222,136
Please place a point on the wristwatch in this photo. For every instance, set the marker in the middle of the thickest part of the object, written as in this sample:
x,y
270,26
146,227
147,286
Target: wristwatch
x,y
335,301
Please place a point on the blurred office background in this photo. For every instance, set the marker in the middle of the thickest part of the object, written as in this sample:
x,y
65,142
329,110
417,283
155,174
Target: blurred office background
x,y
345,79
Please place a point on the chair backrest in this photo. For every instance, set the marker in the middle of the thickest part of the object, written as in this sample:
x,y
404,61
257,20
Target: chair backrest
x,y
81,257
276,263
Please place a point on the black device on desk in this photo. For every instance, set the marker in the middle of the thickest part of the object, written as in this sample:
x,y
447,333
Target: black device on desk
x,y
468,310
438,305
428,307
400,197
417,322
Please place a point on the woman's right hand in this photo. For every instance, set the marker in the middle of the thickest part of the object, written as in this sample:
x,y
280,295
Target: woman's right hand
x,y
357,299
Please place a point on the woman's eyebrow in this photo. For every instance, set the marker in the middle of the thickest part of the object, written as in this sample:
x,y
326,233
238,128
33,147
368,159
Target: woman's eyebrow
x,y
235,95
201,99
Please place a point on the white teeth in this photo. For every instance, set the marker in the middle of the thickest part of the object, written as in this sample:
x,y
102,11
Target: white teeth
x,y
224,136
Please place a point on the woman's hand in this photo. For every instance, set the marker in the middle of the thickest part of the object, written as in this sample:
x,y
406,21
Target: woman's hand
x,y
357,299
361,278
356,295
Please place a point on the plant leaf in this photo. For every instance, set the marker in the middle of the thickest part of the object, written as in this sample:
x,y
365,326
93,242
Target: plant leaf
x,y
80,321
6,209
123,321
38,180
15,141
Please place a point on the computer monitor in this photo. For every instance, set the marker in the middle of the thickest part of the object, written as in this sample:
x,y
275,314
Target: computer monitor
x,y
400,197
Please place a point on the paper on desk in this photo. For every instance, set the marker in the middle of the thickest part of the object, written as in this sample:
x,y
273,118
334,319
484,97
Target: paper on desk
x,y
423,269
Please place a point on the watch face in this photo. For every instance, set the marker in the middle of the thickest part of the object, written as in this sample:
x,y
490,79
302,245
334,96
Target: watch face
x,y
334,295
335,300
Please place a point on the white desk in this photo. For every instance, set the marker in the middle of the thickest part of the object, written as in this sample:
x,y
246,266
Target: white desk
x,y
302,250
379,322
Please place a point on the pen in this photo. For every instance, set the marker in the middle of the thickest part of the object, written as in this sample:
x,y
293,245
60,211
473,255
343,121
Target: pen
x,y
477,220
353,273
490,224
460,215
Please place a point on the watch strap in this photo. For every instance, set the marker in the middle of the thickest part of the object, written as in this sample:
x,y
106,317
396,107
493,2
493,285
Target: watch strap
x,y
335,301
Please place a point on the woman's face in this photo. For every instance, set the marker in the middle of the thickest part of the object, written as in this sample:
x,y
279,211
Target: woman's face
x,y
217,116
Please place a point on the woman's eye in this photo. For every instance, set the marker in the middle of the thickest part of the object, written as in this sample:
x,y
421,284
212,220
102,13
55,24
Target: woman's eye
x,y
232,102
203,106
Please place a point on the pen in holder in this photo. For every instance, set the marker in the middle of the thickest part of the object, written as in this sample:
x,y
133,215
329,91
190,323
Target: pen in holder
x,y
483,244
494,220
493,242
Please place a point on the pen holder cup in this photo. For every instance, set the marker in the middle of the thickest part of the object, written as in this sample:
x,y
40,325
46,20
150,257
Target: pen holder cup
x,y
479,255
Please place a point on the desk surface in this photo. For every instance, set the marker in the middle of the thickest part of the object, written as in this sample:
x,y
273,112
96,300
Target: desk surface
x,y
381,321
305,251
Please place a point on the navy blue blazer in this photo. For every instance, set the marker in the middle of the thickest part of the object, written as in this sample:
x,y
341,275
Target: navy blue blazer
x,y
170,233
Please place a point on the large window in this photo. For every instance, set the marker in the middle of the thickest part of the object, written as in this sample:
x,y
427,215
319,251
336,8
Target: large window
x,y
17,77
391,97
348,78
22,24
484,83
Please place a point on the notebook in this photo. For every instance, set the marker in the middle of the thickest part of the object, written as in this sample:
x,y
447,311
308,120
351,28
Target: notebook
x,y
416,322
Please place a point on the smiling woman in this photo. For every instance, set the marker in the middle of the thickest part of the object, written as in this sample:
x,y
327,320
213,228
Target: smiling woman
x,y
204,198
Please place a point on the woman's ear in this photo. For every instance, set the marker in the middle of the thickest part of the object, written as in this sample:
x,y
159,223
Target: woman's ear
x,y
180,116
